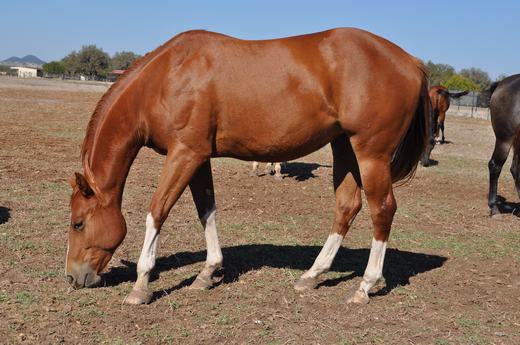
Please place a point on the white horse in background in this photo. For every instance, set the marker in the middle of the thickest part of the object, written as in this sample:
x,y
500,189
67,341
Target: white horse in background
x,y
268,170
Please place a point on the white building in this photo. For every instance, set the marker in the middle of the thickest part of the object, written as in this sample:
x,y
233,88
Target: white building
x,y
27,72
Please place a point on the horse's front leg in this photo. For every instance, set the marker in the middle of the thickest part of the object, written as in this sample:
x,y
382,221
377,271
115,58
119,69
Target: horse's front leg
x,y
180,165
201,186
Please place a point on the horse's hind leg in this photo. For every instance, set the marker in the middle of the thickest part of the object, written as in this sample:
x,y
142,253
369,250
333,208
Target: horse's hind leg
x,y
201,186
495,165
180,165
254,170
348,203
443,140
278,171
377,184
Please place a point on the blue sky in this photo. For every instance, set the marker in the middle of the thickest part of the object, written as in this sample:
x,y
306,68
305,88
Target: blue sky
x,y
483,34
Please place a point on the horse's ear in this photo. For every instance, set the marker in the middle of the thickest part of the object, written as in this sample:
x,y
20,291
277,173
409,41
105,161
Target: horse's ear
x,y
83,186
72,181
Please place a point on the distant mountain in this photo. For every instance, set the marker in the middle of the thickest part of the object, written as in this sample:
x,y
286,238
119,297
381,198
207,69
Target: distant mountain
x,y
28,60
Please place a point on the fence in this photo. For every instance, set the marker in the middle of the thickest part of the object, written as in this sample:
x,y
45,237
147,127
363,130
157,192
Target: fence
x,y
474,104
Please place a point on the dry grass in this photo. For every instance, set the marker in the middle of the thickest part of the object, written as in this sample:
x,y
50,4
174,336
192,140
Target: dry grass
x,y
451,272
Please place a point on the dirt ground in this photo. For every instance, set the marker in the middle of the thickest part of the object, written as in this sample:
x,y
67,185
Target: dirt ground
x,y
452,273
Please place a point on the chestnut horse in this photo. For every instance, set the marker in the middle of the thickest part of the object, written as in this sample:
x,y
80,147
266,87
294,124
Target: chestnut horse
x,y
505,118
440,97
203,95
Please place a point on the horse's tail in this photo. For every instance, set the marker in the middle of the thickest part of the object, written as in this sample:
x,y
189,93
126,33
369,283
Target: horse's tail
x,y
416,139
492,88
452,95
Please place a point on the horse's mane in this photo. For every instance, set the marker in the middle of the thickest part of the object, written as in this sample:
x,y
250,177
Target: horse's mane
x,y
106,101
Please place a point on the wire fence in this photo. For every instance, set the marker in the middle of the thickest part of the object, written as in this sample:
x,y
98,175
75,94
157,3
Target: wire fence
x,y
474,104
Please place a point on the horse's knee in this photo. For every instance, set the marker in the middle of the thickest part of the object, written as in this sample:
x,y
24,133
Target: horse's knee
x,y
383,216
346,211
494,168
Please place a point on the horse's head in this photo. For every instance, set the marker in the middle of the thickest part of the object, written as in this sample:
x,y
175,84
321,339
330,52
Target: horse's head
x,y
97,228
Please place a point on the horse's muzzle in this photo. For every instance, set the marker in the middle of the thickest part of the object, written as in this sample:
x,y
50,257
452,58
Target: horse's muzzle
x,y
82,277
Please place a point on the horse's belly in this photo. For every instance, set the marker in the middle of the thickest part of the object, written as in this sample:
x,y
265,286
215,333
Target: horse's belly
x,y
277,143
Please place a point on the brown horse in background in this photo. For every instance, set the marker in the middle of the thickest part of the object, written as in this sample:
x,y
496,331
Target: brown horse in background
x,y
204,95
268,170
440,98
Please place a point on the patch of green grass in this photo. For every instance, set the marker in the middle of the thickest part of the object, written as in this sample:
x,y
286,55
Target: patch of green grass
x,y
24,298
467,323
3,297
400,290
345,342
476,339
441,341
458,245
223,320
174,305
24,245
184,332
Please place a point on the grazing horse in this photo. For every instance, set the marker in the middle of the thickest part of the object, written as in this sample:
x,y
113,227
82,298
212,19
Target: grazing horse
x,y
440,98
268,169
196,96
505,118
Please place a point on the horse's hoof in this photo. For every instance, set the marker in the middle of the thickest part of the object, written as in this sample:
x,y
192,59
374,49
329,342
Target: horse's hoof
x,y
201,283
359,297
497,215
139,297
278,177
305,284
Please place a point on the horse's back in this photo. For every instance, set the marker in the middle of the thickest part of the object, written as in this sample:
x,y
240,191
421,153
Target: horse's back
x,y
505,107
283,98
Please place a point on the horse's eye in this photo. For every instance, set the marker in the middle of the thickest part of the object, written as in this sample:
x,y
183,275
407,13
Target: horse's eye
x,y
78,225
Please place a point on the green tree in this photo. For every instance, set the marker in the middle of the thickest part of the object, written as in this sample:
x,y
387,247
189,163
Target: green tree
x,y
92,61
54,67
439,73
71,63
460,82
480,77
123,60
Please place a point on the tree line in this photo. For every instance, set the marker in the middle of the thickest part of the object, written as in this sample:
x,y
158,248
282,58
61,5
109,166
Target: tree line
x,y
91,62
472,79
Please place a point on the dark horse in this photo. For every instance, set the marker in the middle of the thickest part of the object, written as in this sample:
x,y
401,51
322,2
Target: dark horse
x,y
440,97
203,95
505,117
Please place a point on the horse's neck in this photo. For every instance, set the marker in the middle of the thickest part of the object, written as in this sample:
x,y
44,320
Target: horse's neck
x,y
114,149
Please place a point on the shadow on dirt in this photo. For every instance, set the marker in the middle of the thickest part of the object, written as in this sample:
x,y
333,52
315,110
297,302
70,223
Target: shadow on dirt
x,y
5,214
399,267
430,163
301,171
506,207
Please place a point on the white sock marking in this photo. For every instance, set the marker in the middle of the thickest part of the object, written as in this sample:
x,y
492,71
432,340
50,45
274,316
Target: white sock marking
x,y
147,258
214,253
326,256
374,270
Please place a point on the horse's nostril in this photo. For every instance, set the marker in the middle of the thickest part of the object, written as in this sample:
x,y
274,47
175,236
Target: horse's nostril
x,y
70,279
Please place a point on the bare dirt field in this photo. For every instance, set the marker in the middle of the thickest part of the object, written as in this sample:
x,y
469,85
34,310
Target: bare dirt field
x,y
452,273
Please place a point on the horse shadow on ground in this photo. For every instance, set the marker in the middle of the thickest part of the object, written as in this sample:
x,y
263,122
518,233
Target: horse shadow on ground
x,y
399,267
5,214
430,163
301,171
507,207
